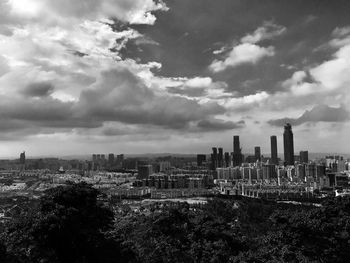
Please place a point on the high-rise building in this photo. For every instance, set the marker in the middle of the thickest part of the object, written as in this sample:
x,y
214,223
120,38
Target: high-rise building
x,y
237,152
220,157
227,159
236,146
144,171
304,156
288,144
300,171
22,158
320,171
111,159
214,158
201,158
257,153
269,172
310,170
120,159
212,162
274,158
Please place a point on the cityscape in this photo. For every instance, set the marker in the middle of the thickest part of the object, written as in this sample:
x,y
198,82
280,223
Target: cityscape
x,y
293,177
174,131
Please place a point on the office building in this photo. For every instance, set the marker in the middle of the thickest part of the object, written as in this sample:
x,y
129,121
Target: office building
x,y
310,170
288,144
220,158
304,156
120,159
227,159
111,159
269,172
22,158
274,156
237,152
201,158
300,171
144,171
214,158
257,153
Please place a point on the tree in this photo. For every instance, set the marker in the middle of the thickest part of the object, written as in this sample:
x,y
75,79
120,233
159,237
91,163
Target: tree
x,y
69,226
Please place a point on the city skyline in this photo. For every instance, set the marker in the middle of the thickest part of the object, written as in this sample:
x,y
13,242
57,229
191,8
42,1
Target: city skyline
x,y
172,76
237,152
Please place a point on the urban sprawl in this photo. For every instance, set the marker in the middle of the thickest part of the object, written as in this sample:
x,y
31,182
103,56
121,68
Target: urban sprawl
x,y
168,177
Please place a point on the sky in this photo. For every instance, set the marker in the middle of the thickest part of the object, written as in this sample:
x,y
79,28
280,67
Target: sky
x,y
174,76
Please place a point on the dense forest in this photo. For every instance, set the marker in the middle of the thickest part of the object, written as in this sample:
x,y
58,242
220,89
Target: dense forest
x,y
71,224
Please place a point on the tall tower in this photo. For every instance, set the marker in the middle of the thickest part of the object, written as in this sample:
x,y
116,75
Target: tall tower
x,y
227,159
220,157
288,144
237,152
257,153
22,158
236,148
274,158
214,158
304,156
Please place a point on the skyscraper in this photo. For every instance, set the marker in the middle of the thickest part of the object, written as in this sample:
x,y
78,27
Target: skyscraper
x,y
274,158
227,159
236,148
22,158
288,145
304,156
214,158
257,154
220,157
237,152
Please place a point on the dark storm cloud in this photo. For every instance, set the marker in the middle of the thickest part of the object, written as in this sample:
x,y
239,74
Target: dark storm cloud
x,y
118,96
121,96
40,89
36,110
219,125
320,113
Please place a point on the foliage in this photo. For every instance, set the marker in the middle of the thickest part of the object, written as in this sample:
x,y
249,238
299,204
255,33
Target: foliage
x,y
70,225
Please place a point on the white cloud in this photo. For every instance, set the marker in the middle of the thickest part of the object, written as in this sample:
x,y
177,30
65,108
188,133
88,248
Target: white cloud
x,y
332,76
134,12
246,102
248,52
335,73
242,54
198,82
267,31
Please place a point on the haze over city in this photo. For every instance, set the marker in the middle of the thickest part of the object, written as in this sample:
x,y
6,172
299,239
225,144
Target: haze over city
x,y
145,76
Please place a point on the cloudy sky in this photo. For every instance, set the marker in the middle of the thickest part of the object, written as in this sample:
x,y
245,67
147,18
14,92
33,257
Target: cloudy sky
x,y
141,76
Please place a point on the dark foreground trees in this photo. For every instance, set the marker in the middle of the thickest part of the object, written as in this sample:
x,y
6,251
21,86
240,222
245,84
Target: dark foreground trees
x,y
70,225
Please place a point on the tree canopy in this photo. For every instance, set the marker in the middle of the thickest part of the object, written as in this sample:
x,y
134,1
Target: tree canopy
x,y
70,224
